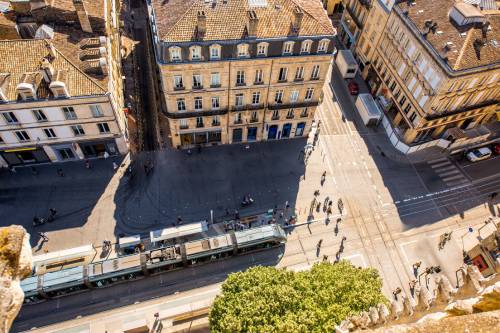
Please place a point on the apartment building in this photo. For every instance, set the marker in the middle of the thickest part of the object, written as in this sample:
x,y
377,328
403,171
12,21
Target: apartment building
x,y
241,70
60,82
435,67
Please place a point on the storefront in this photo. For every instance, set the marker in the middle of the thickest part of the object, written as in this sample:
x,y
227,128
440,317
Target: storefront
x,y
26,155
65,152
98,148
252,134
200,138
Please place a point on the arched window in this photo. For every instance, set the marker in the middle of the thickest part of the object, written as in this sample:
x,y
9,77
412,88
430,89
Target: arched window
x,y
262,49
288,48
195,52
215,52
175,53
323,45
243,50
305,47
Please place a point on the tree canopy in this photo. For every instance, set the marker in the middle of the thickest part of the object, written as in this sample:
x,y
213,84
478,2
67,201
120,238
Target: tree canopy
x,y
267,299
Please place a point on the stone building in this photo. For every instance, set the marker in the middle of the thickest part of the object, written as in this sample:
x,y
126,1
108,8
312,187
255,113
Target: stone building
x,y
240,70
435,67
61,93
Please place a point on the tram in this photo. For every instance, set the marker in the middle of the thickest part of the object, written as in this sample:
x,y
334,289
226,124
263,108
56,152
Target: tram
x,y
105,273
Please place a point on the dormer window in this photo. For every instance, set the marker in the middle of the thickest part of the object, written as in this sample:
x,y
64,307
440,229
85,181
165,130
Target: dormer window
x,y
323,45
175,53
305,47
214,52
288,48
243,50
262,49
195,52
26,91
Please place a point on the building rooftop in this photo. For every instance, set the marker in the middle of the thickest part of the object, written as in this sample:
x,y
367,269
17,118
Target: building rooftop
x,y
176,20
32,52
462,47
78,47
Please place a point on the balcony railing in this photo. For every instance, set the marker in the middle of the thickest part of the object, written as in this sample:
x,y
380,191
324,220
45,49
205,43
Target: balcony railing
x,y
215,123
292,105
200,125
182,127
179,88
253,120
183,114
247,107
355,19
275,117
238,121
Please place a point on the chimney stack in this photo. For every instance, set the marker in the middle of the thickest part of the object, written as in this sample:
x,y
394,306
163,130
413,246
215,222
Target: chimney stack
x,y
82,15
202,24
298,15
253,23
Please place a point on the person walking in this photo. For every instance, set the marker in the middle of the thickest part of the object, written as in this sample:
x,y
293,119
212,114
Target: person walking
x,y
43,236
115,166
87,164
416,267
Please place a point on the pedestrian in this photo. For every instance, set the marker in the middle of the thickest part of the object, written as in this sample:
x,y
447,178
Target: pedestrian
x,y
43,237
52,212
325,257
236,215
281,215
87,164
323,178
316,193
115,166
416,266
227,212
12,169
396,292
60,172
179,220
105,155
412,284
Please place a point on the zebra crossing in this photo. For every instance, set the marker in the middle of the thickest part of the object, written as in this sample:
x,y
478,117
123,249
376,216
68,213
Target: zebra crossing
x,y
449,173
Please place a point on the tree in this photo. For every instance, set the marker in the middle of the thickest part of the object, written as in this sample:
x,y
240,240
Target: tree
x,y
267,299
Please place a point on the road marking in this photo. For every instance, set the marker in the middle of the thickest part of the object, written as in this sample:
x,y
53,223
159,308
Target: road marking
x,y
438,160
453,178
439,165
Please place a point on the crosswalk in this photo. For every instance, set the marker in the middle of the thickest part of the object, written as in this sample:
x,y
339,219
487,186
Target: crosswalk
x,y
449,173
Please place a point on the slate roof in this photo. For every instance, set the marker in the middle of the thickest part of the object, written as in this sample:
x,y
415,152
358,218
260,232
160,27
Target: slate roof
x,y
25,56
462,54
176,20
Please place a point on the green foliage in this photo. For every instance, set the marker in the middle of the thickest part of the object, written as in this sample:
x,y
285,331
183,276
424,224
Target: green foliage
x,y
266,299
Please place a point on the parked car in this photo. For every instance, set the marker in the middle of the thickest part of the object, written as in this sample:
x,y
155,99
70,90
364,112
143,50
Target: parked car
x,y
353,88
496,148
478,154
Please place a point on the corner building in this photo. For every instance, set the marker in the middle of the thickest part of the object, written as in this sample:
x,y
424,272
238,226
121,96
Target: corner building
x,y
240,70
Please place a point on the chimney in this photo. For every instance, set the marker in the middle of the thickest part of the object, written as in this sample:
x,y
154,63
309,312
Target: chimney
x,y
253,23
104,65
297,22
202,24
58,84
4,84
82,15
47,70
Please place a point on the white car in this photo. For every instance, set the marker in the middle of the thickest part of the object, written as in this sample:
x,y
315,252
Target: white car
x,y
478,154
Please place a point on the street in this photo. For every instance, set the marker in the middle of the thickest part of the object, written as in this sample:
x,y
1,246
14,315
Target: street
x,y
396,207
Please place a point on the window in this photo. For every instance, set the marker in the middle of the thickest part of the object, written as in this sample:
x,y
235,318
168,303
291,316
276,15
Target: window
x,y
215,121
197,83
309,94
262,49
299,74
256,97
215,79
294,96
240,78
239,100
22,136
278,98
413,116
198,103
315,72
407,108
253,117
288,47
10,117
237,118
178,84
215,103
305,47
103,127
39,115
175,53
258,76
78,130
181,104
276,115
289,114
402,101
323,45
214,52
242,50
304,113
195,52
183,123
199,122
69,113
49,132
96,111
282,74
